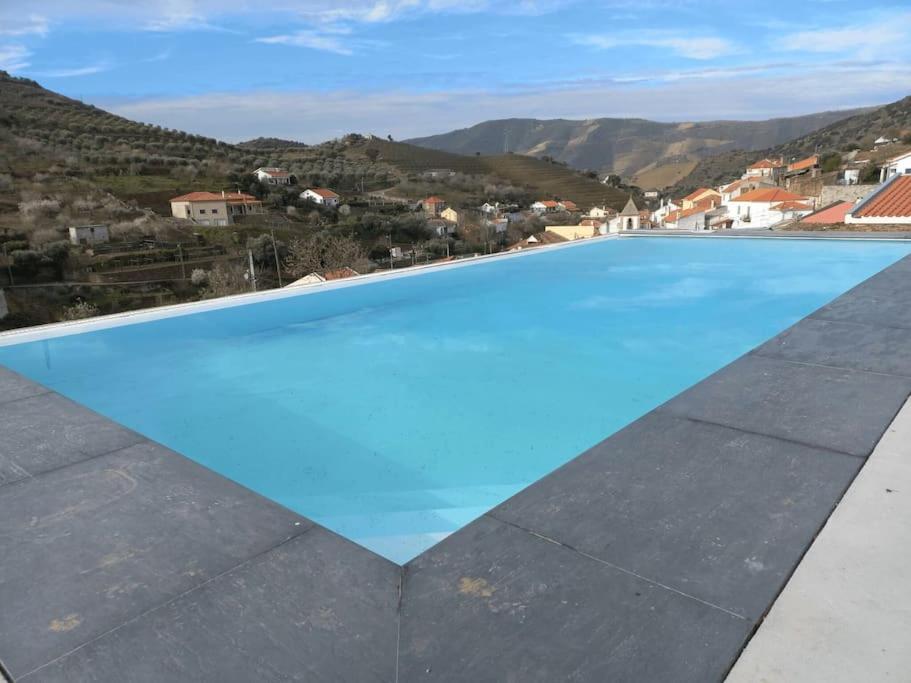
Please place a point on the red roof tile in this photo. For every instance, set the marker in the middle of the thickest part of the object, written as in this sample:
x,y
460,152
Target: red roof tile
x,y
433,200
893,201
809,162
693,196
769,194
834,213
324,192
766,163
792,206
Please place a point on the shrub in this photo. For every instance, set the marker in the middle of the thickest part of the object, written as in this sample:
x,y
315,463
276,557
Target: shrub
x,y
199,277
79,311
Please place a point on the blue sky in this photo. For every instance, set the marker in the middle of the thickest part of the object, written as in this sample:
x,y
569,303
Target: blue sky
x,y
316,69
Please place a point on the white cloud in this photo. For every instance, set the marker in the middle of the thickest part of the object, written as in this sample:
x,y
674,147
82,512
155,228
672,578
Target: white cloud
x,y
14,58
28,25
867,39
693,47
336,40
314,117
73,72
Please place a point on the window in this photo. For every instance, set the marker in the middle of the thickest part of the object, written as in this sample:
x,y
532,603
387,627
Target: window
x,y
214,210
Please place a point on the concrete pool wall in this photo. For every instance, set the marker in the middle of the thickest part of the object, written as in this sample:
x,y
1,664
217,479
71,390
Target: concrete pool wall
x,y
652,556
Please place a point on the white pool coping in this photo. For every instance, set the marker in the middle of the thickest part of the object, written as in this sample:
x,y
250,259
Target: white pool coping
x,y
62,329
845,614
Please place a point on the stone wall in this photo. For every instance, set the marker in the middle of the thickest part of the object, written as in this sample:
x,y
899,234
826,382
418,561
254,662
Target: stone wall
x,y
844,193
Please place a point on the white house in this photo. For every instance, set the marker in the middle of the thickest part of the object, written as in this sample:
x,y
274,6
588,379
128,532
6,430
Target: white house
x,y
212,208
693,218
602,212
900,165
755,209
765,168
544,206
321,195
888,204
489,208
88,234
273,175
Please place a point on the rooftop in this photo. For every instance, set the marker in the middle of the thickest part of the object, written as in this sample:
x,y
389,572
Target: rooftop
x,y
894,200
769,194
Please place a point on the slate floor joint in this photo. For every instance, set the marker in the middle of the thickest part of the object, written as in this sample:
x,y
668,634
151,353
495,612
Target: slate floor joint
x,y
606,563
169,601
825,366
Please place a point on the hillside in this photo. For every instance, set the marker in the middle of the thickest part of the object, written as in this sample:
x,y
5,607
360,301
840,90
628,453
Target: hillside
x,y
632,148
856,132
541,179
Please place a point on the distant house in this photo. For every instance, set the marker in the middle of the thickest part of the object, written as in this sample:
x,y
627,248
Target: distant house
x,y
544,206
696,217
567,205
489,208
765,168
791,210
898,165
211,208
450,214
883,140
651,194
572,232
888,204
441,226
539,239
325,276
439,173
754,209
700,195
602,212
433,206
321,195
88,234
741,186
273,175
810,164
499,225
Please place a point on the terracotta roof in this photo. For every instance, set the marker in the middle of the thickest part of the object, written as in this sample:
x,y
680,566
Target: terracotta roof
x,y
339,273
792,206
766,163
433,200
570,206
324,192
833,213
769,194
892,201
733,186
809,162
230,197
693,196
549,203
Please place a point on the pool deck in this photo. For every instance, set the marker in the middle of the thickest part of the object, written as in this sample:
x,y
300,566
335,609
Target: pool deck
x,y
654,556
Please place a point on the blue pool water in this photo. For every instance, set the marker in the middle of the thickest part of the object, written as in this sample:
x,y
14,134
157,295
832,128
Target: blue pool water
x,y
397,411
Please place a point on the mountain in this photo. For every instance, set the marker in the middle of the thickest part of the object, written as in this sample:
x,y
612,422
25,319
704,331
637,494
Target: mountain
x,y
650,153
268,144
855,132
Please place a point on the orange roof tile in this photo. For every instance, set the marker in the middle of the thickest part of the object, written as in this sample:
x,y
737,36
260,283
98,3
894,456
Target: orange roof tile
x,y
198,197
769,194
834,213
792,206
766,163
434,200
893,201
693,196
324,192
809,162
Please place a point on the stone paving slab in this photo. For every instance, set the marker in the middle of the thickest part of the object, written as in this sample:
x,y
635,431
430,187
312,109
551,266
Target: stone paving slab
x,y
47,431
845,615
845,345
14,386
830,408
86,547
317,608
496,603
711,511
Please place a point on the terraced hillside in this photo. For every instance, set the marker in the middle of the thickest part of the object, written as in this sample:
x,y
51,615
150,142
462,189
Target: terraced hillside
x,y
855,132
629,147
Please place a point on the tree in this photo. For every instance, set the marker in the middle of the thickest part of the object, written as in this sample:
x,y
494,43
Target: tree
x,y
372,153
58,253
263,252
224,280
322,251
80,311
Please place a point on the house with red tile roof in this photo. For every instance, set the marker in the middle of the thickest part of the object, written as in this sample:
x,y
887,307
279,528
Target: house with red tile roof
x,y
273,175
888,204
765,168
897,165
213,208
699,196
567,205
756,208
545,206
322,196
433,206
804,165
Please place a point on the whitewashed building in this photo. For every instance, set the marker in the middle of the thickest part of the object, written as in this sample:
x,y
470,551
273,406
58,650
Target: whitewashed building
x,y
88,234
273,175
899,165
321,195
756,209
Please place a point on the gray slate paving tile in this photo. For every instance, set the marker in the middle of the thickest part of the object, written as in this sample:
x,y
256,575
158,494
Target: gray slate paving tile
x,y
879,304
844,345
85,548
14,386
711,511
44,432
831,408
495,603
317,608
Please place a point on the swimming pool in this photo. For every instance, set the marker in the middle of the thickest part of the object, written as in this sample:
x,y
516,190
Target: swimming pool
x,y
397,411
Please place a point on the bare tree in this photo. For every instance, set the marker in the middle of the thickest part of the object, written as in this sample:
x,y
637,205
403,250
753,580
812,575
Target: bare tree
x,y
322,251
224,280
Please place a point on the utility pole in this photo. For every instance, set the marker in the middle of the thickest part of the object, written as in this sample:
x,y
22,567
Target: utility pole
x,y
278,268
9,264
252,271
183,268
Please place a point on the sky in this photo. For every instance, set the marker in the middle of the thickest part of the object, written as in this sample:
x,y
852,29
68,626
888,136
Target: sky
x,y
312,70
